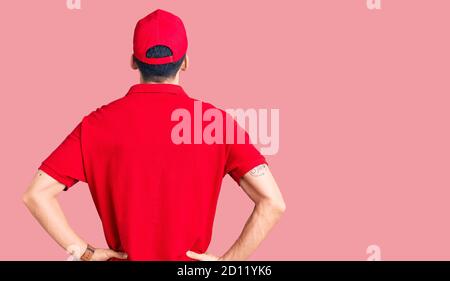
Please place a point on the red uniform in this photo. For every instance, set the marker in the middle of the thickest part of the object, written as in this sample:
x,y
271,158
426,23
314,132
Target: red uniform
x,y
156,199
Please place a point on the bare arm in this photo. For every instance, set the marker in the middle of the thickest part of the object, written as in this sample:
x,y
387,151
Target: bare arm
x,y
262,189
41,200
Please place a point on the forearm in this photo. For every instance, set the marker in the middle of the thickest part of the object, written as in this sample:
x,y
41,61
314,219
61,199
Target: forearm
x,y
49,214
40,199
263,218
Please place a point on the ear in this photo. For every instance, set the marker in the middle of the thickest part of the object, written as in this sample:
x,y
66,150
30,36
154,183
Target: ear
x,y
185,64
133,63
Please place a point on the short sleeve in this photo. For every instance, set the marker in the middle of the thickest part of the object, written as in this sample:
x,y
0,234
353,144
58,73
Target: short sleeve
x,y
242,155
65,163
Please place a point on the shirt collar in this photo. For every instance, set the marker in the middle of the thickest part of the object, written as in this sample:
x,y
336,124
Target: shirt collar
x,y
157,88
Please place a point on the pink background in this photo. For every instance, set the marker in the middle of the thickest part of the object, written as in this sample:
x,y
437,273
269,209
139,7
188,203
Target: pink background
x,y
363,95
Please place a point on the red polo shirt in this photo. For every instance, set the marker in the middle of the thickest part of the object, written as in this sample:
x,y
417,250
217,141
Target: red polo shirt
x,y
156,199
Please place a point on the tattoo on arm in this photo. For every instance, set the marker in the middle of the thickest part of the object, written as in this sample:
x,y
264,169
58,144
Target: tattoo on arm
x,y
258,171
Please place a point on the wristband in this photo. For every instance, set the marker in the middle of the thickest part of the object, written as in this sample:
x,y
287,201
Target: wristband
x,y
87,255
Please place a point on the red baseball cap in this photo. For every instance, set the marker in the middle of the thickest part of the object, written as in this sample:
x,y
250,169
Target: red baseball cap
x,y
160,28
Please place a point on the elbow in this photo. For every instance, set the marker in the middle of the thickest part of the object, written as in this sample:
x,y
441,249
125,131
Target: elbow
x,y
280,206
27,198
30,198
274,206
